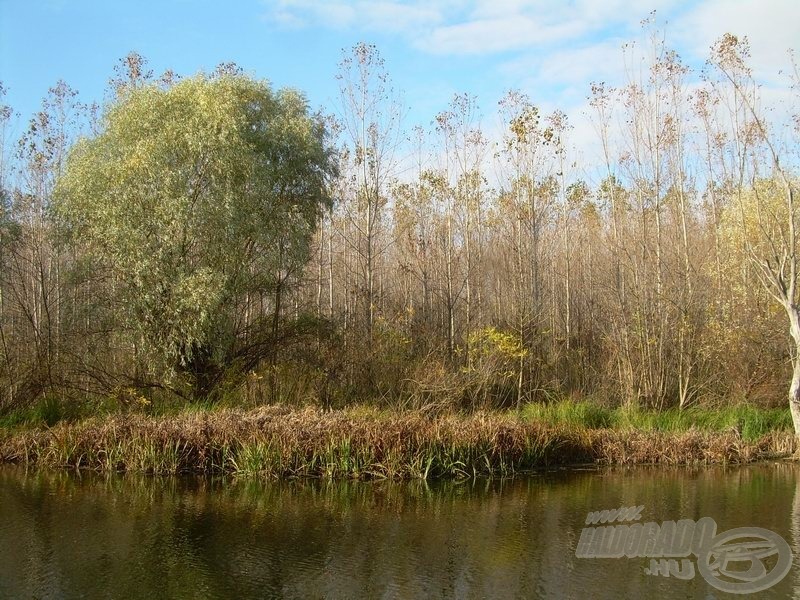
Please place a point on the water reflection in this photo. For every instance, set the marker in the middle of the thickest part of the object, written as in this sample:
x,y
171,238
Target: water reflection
x,y
71,535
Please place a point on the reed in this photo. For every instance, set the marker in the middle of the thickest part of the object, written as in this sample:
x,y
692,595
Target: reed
x,y
365,443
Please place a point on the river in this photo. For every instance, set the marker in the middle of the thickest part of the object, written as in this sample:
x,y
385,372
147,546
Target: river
x,y
84,535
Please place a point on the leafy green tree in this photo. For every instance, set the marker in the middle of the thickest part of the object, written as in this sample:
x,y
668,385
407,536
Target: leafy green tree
x,y
195,205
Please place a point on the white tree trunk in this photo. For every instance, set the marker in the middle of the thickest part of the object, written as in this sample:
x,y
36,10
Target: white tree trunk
x,y
794,390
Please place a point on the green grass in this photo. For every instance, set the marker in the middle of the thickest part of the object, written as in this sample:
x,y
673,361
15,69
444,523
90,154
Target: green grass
x,y
588,415
50,410
751,422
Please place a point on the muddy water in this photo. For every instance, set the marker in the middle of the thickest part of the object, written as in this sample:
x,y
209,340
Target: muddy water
x,y
68,535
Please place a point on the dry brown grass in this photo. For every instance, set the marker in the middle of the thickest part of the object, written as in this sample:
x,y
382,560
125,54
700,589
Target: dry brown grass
x,y
279,442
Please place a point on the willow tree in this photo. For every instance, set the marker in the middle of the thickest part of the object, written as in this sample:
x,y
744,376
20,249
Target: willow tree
x,y
194,205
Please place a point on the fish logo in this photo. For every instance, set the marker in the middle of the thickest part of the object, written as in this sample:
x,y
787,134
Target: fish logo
x,y
735,560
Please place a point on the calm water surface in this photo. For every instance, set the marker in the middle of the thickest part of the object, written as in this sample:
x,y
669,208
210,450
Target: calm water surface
x,y
68,535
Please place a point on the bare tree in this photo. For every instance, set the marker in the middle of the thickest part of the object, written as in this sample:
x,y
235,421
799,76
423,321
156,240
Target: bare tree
x,y
776,259
370,118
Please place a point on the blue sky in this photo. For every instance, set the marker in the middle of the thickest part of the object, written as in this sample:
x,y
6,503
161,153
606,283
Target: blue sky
x,y
433,49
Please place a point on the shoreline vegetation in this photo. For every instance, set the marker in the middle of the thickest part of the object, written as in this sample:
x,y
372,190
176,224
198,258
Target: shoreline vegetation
x,y
367,443
207,246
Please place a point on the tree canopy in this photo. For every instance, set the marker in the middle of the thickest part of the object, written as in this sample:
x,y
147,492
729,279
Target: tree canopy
x,y
194,199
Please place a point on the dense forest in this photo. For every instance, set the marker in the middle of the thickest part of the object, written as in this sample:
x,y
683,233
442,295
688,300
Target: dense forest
x,y
209,238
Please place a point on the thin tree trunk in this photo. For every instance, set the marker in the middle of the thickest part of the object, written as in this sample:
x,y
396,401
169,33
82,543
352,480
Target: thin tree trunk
x,y
794,390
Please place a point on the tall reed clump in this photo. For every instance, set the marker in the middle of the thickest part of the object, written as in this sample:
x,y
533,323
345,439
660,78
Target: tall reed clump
x,y
362,443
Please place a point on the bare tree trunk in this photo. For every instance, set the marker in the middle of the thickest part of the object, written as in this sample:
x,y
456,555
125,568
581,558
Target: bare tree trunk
x,y
330,268
794,390
521,305
450,300
320,255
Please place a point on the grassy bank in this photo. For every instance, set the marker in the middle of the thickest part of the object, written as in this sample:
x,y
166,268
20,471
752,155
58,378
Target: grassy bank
x,y
367,443
749,421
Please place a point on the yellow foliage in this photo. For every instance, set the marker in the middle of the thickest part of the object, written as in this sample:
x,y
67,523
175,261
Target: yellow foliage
x,y
499,350
129,397
754,223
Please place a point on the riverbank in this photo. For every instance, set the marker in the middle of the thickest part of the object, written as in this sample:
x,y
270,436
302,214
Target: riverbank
x,y
367,443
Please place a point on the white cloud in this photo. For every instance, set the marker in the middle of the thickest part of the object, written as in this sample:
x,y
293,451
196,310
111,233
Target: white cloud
x,y
488,9
394,16
601,61
492,26
554,49
381,15
335,14
601,13
496,35
285,19
471,27
461,27
772,26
